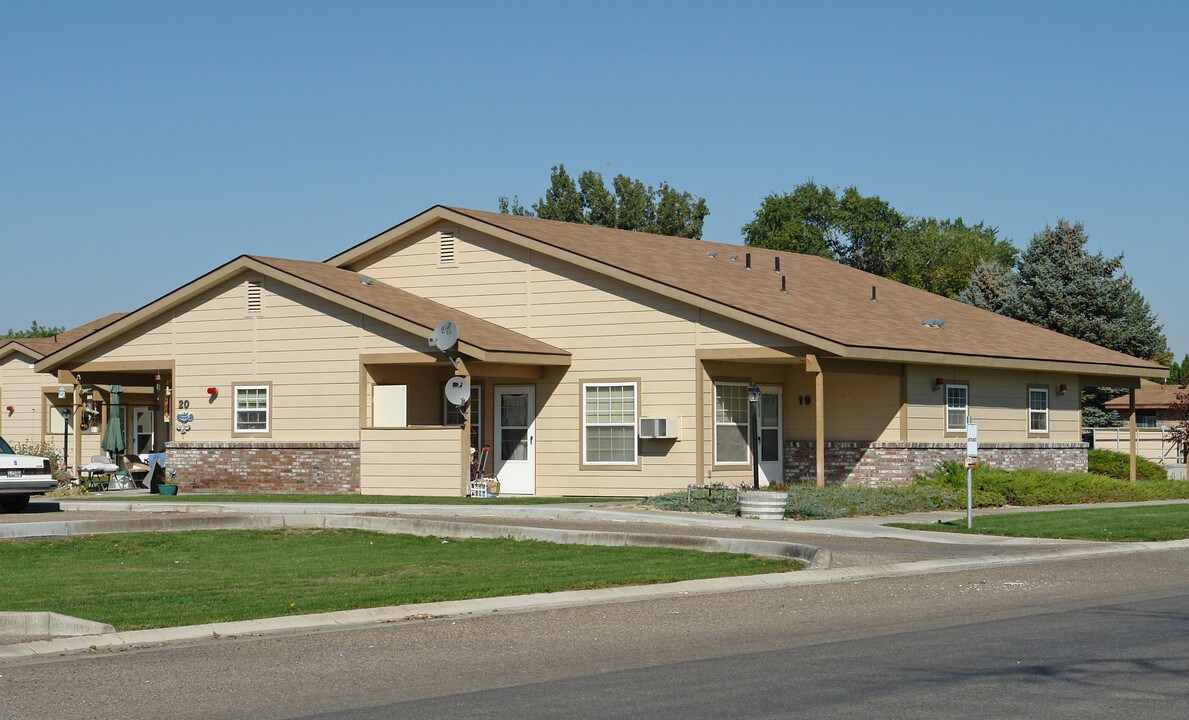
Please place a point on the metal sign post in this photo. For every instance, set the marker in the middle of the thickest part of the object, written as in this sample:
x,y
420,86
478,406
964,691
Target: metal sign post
x,y
971,462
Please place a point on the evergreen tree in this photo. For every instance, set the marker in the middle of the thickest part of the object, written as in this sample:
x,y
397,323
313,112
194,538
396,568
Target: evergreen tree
x,y
628,205
1060,285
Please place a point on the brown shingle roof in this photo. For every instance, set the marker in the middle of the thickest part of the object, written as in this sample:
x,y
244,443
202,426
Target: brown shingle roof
x,y
824,299
46,345
1148,396
478,332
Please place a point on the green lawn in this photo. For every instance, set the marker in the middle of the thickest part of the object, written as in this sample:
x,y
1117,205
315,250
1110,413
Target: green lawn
x,y
357,499
144,580
1130,524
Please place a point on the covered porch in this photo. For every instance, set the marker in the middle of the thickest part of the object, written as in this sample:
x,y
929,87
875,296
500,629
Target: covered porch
x,y
798,418
413,441
80,407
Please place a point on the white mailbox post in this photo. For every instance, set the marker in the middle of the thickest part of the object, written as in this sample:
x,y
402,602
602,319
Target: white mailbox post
x,y
971,462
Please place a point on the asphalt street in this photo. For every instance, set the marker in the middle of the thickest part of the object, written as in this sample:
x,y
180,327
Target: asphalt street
x,y
1106,637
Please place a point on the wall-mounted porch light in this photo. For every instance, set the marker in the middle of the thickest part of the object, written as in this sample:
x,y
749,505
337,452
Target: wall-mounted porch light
x,y
1062,389
938,383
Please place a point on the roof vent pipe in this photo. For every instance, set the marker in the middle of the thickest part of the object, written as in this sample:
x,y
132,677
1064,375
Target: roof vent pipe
x,y
784,284
777,263
873,294
747,260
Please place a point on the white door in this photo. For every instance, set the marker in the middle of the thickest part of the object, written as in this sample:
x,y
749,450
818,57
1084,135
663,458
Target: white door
x,y
771,437
515,417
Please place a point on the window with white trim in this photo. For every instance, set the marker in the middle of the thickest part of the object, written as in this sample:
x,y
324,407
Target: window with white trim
x,y
251,408
609,421
1038,410
957,407
731,423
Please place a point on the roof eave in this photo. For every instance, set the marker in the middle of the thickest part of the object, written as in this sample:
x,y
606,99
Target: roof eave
x,y
935,358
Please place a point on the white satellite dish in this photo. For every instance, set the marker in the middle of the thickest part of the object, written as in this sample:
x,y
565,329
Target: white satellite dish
x,y
458,391
445,336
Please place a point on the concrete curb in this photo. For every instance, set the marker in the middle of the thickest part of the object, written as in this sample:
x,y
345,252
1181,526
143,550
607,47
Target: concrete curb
x,y
544,601
814,556
28,624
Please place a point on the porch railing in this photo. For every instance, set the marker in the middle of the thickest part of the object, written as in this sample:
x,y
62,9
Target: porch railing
x,y
1157,444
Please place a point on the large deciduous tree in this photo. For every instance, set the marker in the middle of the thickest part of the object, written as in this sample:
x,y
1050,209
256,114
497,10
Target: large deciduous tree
x,y
628,205
34,331
867,233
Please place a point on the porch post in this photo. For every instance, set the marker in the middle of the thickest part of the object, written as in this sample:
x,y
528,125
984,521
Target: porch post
x,y
819,414
466,433
1131,428
76,425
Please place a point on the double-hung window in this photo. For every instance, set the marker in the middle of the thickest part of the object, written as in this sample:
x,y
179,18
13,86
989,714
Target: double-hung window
x,y
1038,410
609,421
252,408
957,407
730,424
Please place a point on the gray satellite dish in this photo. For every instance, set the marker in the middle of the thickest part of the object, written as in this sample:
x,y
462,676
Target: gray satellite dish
x,y
445,336
458,391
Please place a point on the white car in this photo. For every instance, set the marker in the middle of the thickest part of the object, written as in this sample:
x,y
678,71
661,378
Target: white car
x,y
22,476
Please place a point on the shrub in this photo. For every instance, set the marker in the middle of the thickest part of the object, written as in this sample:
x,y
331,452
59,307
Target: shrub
x,y
1039,487
727,503
1118,465
46,450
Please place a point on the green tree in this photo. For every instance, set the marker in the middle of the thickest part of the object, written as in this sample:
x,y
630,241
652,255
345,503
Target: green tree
x,y
1178,373
34,331
1060,285
867,233
628,205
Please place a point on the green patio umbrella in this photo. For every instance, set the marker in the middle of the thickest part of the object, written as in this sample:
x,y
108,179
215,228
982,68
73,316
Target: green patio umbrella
x,y
113,435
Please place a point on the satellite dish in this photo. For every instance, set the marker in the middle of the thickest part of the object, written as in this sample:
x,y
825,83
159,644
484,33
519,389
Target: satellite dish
x,y
445,336
458,391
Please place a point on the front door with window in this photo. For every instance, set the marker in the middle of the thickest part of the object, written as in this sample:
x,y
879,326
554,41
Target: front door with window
x,y
515,419
771,452
142,431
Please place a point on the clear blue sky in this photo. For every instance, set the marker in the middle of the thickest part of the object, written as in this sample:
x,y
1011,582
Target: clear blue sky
x,y
143,144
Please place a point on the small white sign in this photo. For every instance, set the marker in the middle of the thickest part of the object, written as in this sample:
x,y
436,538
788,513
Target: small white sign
x,y
971,440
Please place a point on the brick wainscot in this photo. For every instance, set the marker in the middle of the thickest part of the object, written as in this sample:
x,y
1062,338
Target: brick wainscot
x,y
264,467
896,463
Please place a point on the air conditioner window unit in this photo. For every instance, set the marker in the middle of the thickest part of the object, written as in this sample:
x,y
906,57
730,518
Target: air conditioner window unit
x,y
660,428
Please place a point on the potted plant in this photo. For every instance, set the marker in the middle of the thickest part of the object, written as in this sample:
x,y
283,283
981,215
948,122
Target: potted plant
x,y
768,503
169,488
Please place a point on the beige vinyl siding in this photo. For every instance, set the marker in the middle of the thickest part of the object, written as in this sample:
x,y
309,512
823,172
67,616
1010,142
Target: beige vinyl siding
x,y
411,461
715,331
611,328
859,407
20,387
488,278
998,403
307,348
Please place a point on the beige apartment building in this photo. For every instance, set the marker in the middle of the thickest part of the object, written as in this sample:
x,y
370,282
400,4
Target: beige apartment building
x,y
601,362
